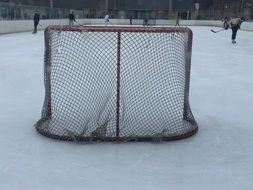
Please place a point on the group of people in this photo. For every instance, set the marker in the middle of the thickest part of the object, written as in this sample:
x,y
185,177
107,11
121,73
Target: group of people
x,y
36,20
107,20
71,17
234,23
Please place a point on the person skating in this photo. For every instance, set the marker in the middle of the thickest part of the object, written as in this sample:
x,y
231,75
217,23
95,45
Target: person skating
x,y
234,23
107,19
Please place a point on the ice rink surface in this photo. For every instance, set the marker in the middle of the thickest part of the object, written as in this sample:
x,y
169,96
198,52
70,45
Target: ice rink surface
x,y
219,156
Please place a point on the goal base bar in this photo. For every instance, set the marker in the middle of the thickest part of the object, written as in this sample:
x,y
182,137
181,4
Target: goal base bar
x,y
113,139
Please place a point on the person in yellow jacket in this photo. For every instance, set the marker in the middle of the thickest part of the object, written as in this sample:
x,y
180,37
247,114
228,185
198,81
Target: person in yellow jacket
x,y
234,23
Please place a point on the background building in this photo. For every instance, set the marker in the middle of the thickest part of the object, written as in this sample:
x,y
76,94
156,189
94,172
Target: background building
x,y
137,9
216,9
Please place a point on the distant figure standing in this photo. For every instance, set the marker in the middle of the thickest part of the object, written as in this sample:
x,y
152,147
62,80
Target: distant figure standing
x,y
36,20
177,20
234,23
131,18
145,22
107,19
71,18
225,22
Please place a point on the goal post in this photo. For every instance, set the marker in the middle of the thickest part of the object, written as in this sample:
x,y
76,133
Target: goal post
x,y
117,83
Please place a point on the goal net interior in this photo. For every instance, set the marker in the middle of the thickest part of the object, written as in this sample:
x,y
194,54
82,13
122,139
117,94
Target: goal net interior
x,y
117,83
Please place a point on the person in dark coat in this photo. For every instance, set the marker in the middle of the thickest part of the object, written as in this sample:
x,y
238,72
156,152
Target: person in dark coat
x,y
71,18
36,20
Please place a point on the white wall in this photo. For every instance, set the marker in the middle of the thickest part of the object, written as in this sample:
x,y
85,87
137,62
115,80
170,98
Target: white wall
x,y
247,26
27,25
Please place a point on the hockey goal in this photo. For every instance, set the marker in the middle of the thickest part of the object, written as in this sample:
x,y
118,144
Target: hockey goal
x,y
117,83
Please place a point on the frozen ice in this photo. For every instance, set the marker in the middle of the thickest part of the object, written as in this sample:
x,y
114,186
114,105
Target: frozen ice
x,y
219,157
